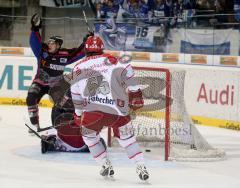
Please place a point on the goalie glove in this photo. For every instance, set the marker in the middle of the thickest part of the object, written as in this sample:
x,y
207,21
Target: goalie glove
x,y
36,22
135,99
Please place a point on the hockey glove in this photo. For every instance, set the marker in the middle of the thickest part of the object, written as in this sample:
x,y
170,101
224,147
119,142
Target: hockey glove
x,y
36,22
135,99
77,120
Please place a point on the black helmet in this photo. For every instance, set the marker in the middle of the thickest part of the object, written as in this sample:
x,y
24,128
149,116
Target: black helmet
x,y
56,39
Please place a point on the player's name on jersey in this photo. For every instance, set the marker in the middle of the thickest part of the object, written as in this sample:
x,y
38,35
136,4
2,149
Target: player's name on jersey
x,y
98,99
56,67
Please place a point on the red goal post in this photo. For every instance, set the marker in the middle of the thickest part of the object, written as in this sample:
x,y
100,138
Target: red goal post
x,y
165,112
167,105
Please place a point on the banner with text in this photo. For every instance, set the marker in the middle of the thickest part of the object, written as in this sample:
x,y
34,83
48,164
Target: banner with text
x,y
63,4
132,37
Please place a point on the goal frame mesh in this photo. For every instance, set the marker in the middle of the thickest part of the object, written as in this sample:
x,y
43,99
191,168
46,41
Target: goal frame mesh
x,y
167,108
192,147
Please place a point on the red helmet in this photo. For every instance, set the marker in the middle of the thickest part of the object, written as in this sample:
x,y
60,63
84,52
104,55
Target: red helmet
x,y
94,44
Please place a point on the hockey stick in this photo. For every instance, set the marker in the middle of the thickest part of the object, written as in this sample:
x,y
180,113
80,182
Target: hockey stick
x,y
51,127
38,135
45,128
55,126
34,132
86,21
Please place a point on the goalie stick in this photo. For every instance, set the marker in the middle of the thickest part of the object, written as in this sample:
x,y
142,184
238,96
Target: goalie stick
x,y
47,128
33,131
69,122
52,127
41,129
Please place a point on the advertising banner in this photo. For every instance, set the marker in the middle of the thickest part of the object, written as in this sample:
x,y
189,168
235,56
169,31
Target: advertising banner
x,y
16,75
170,58
212,95
11,51
199,59
229,60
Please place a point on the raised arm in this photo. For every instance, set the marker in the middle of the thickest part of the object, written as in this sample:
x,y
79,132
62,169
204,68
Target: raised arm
x,y
78,53
35,37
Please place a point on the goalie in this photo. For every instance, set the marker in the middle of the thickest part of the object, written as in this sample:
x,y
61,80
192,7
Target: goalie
x,y
103,92
65,136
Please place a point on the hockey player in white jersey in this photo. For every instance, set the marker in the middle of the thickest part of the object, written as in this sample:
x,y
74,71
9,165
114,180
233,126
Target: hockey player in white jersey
x,y
103,92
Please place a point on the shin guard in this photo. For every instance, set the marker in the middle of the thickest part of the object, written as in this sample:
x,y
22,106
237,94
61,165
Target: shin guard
x,y
96,147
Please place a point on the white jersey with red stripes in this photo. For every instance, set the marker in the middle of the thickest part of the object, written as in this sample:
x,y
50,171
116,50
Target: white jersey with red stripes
x,y
100,83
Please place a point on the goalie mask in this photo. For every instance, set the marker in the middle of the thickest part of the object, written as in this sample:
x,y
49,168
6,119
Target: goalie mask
x,y
94,44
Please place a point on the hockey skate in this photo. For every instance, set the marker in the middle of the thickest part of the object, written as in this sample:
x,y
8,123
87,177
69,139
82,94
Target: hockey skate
x,y
142,172
107,169
48,143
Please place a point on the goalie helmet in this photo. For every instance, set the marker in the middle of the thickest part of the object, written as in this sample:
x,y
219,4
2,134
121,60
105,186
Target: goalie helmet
x,y
56,39
94,44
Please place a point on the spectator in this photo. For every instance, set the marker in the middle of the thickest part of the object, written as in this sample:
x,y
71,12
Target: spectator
x,y
137,9
189,4
160,11
205,4
204,12
220,10
224,7
107,9
189,11
237,10
177,11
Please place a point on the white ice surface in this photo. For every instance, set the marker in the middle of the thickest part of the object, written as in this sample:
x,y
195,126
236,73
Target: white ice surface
x,y
22,164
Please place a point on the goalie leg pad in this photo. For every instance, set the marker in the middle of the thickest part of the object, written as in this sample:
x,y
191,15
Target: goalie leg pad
x,y
96,147
65,147
71,135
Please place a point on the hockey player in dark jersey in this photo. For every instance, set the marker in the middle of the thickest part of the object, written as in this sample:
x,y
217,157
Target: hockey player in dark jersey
x,y
51,59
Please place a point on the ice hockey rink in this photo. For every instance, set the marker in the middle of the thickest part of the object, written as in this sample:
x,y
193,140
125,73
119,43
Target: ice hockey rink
x,y
23,165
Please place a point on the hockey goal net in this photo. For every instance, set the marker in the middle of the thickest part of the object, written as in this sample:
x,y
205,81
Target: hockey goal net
x,y
164,122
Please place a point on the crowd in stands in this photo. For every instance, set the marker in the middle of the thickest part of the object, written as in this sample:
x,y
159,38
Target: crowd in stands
x,y
171,11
